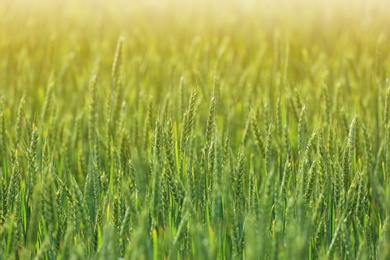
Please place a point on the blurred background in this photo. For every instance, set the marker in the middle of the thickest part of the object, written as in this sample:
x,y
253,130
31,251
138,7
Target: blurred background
x,y
84,31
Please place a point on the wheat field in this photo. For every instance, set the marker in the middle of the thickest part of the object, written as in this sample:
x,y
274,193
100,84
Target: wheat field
x,y
194,130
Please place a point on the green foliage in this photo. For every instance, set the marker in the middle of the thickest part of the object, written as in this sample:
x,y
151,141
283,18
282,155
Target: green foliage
x,y
140,135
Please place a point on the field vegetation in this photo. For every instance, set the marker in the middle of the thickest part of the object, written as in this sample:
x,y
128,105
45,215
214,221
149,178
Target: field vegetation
x,y
210,130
